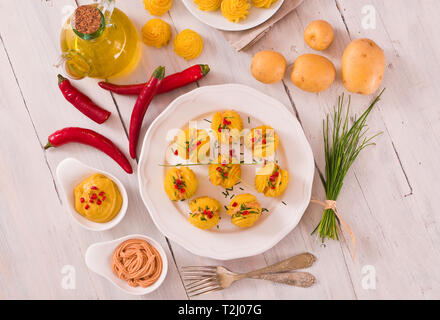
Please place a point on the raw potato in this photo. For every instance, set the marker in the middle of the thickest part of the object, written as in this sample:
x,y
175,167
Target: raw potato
x,y
319,35
363,65
268,66
313,73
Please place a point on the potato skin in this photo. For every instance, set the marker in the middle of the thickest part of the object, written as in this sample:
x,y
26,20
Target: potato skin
x,y
268,66
363,65
313,73
319,35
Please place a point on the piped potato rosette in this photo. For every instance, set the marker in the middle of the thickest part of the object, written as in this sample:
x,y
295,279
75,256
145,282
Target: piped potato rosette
x,y
193,145
225,175
235,10
227,121
263,141
180,183
208,5
158,7
204,212
271,180
263,3
156,33
244,210
188,44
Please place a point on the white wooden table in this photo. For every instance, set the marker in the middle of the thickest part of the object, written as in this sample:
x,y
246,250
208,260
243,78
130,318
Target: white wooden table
x,y
390,197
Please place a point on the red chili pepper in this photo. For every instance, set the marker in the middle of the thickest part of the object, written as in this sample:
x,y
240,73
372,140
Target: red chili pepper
x,y
91,138
82,102
142,103
169,83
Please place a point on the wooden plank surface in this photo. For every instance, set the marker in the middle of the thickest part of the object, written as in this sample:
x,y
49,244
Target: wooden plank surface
x,y
389,197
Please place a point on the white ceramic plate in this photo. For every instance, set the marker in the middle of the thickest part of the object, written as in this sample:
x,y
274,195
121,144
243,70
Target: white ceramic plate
x,y
227,242
216,20
99,259
70,172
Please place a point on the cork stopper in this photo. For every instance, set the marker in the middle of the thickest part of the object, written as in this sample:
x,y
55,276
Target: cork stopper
x,y
87,19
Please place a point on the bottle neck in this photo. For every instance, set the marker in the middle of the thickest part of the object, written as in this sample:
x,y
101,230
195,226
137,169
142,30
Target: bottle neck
x,y
107,7
89,21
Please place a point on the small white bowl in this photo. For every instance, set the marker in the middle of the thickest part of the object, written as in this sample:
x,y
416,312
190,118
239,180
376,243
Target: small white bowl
x,y
99,259
70,172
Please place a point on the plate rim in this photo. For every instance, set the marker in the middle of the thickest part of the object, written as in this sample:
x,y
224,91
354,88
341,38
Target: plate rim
x,y
233,29
214,254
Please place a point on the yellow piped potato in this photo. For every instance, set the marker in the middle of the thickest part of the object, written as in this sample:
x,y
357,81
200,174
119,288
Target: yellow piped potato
x,y
97,198
271,180
235,10
188,44
363,66
227,120
319,35
263,141
244,210
208,5
180,183
193,144
158,7
263,3
156,33
313,73
205,212
226,175
268,66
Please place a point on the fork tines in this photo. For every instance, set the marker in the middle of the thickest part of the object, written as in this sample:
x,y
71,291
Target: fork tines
x,y
200,280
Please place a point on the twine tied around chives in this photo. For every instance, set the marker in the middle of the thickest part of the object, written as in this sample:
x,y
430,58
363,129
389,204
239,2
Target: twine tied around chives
x,y
331,205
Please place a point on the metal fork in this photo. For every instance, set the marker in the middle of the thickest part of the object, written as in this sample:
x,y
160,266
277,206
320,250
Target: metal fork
x,y
206,279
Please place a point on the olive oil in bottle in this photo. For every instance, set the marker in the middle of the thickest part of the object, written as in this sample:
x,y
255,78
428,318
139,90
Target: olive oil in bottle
x,y
99,41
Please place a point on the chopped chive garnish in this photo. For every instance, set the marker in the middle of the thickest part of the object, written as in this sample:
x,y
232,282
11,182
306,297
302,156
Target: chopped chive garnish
x,y
207,120
284,203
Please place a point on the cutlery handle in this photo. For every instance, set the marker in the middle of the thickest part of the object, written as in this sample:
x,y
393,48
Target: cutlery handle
x,y
300,261
296,279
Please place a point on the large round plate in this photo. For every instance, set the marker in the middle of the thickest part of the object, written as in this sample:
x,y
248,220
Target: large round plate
x,y
216,20
228,241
